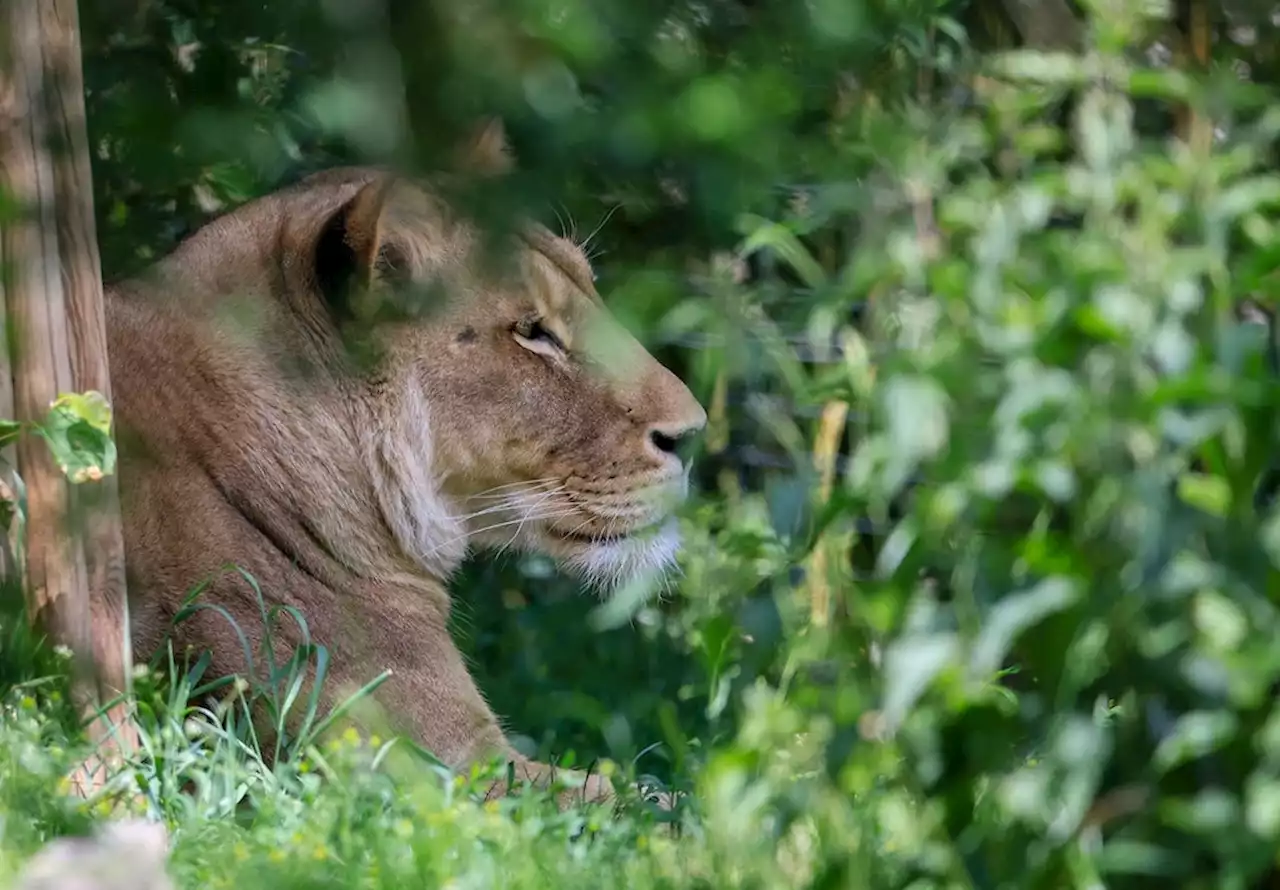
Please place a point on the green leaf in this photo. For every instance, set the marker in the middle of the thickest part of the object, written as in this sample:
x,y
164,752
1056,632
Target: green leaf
x,y
1015,614
1195,735
911,664
77,430
1160,84
1211,494
91,407
9,430
764,234
1246,196
1037,66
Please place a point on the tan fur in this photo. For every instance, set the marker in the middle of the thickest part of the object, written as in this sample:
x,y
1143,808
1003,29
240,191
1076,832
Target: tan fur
x,y
250,435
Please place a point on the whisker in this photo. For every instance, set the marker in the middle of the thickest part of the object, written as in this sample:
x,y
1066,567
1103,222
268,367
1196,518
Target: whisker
x,y
511,502
497,525
567,227
505,506
520,527
580,525
530,517
493,492
586,243
511,540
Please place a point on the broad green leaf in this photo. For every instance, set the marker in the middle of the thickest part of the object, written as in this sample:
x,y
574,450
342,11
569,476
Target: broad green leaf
x,y
911,664
1195,735
90,406
764,234
77,430
1209,493
1012,616
1038,66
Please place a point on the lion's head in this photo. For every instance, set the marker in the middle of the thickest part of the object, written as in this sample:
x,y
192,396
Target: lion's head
x,y
511,408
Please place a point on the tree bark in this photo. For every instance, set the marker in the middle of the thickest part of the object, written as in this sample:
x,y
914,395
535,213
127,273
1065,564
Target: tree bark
x,y
55,330
1045,24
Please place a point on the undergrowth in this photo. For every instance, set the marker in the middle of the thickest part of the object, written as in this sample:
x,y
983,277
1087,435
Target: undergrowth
x,y
311,808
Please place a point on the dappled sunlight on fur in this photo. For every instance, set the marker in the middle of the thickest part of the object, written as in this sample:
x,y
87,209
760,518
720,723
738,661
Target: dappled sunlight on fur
x,y
333,389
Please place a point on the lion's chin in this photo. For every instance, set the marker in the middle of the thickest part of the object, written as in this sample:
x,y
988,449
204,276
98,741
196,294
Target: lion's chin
x,y
609,564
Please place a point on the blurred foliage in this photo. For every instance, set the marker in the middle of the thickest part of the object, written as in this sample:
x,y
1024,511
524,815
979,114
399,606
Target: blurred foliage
x,y
981,580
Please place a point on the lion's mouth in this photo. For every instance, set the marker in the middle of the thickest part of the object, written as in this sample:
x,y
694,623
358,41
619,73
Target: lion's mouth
x,y
608,559
612,537
591,537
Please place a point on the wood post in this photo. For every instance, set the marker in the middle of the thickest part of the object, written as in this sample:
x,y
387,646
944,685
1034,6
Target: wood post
x,y
51,287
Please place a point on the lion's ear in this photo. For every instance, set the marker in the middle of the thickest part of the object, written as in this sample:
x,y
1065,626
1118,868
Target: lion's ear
x,y
351,249
485,151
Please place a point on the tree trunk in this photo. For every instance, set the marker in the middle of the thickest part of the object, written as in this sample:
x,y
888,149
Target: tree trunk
x,y
1045,24
52,293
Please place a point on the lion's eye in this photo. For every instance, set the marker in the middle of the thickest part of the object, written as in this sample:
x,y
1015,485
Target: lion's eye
x,y
534,335
537,331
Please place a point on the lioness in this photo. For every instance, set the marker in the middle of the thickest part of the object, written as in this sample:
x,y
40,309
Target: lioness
x,y
513,410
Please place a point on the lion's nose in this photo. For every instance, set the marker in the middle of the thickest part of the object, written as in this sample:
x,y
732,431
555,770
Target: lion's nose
x,y
668,441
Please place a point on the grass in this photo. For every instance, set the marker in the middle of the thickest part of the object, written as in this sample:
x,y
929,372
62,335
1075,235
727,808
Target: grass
x,y
335,809
351,812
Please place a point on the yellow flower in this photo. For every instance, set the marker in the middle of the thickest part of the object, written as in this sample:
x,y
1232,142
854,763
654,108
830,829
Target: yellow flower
x,y
276,856
240,851
320,853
